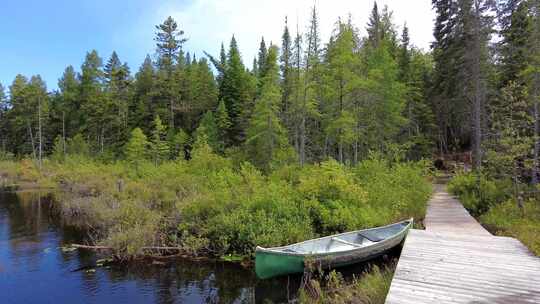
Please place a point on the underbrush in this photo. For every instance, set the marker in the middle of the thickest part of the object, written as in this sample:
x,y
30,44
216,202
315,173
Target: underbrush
x,y
210,206
491,201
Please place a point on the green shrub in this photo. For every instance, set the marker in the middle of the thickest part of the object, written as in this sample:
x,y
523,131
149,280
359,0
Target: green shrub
x,y
477,193
211,205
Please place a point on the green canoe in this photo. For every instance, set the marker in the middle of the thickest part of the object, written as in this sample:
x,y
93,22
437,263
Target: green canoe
x,y
331,251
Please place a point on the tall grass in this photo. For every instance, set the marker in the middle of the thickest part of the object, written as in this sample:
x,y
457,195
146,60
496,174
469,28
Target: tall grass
x,y
492,202
369,288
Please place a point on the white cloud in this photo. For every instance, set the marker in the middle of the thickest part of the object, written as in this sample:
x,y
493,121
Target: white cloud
x,y
207,23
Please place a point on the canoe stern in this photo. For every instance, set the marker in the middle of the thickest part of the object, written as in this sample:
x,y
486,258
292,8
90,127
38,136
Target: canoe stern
x,y
270,264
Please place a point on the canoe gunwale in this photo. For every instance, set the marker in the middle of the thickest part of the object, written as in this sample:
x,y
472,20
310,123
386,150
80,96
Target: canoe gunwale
x,y
279,250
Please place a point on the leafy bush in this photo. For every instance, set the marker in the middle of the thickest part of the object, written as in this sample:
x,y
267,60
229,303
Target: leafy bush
x,y
477,193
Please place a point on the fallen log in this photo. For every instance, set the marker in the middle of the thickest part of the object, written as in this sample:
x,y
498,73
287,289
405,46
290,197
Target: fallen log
x,y
91,247
111,248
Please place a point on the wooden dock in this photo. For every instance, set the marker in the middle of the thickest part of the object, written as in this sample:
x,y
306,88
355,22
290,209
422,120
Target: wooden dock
x,y
455,260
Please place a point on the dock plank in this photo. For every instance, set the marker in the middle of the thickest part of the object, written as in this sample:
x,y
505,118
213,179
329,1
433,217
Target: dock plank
x,y
456,260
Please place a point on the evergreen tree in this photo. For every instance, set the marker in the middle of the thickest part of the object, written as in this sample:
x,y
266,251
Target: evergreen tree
x,y
223,124
404,55
92,100
159,147
374,27
69,106
118,95
533,76
342,64
237,93
143,107
169,40
209,130
4,107
135,149
266,137
261,60
286,73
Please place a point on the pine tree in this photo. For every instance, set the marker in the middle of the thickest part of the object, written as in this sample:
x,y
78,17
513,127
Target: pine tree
x,y
513,49
69,108
374,27
118,95
169,40
238,93
266,137
159,147
476,16
309,128
404,55
143,107
223,124
533,75
286,73
209,130
261,60
20,132
342,64
136,149
92,100
4,107
59,149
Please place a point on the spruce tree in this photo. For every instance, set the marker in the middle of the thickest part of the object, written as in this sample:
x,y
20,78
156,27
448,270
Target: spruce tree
x,y
374,27
261,60
238,93
342,64
143,108
169,41
266,137
136,149
159,147
70,104
4,106
286,73
93,105
223,124
209,130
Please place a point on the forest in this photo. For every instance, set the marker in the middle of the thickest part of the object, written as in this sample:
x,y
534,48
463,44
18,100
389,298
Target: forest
x,y
197,150
302,102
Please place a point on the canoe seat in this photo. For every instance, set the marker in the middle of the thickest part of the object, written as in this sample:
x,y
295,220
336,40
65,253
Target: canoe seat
x,y
370,236
345,242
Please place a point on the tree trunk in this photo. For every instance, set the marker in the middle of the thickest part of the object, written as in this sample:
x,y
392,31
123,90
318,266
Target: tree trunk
x,y
302,140
536,135
64,132
31,140
479,91
40,135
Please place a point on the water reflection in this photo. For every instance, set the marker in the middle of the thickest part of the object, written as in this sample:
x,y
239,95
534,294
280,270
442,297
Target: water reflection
x,y
33,269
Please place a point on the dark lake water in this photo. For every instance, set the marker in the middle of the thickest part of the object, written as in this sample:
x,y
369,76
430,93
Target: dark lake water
x,y
34,269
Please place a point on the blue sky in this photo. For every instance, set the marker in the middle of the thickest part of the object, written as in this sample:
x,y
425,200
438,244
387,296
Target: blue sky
x,y
43,37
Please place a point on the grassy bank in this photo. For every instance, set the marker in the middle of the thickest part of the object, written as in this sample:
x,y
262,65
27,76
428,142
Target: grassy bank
x,y
211,206
492,202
